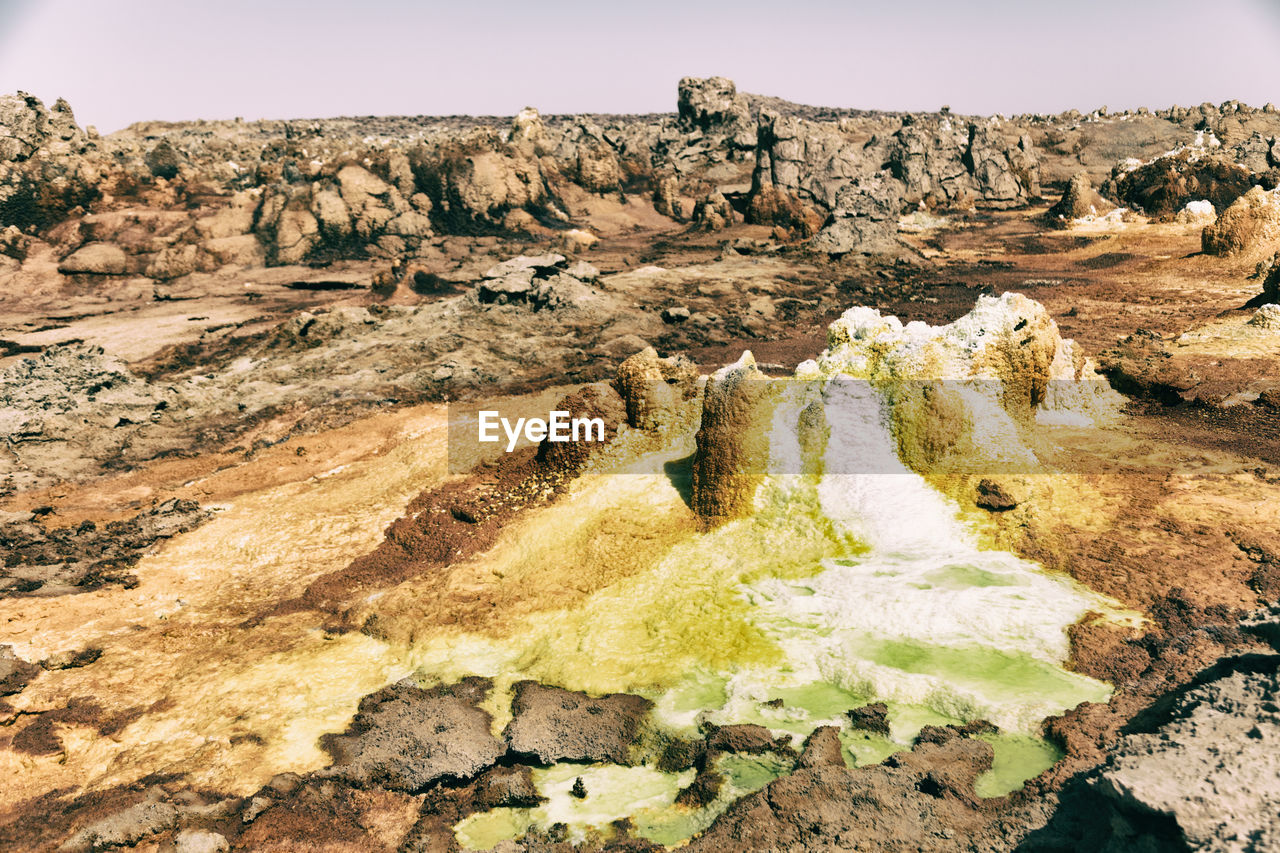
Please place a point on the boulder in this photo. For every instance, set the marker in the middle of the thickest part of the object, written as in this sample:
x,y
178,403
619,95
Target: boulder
x,y
1201,759
822,749
771,205
713,212
675,314
95,259
1266,317
164,160
404,737
543,281
512,287
872,718
930,162
991,162
711,104
553,724
865,220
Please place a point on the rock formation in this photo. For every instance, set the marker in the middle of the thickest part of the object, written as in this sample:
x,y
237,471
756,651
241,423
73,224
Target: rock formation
x,y
1079,200
396,742
733,440
1251,223
1163,186
654,388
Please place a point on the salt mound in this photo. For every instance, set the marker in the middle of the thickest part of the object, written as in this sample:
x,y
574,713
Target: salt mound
x,y
1267,317
1199,212
1252,221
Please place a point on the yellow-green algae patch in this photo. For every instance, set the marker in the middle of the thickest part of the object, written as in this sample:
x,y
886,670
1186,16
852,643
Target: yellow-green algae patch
x,y
1017,759
840,588
612,792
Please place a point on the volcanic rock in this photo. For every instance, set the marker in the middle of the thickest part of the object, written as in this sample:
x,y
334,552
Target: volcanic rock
x,y
666,197
770,205
711,104
405,738
713,212
478,178
543,281
872,718
998,495
85,556
1199,212
702,791
507,787
918,801
164,160
26,127
1194,771
865,219
552,724
1269,272
1002,177
527,127
1163,186
747,738
822,749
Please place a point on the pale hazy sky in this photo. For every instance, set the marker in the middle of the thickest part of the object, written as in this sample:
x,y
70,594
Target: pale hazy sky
x,y
119,61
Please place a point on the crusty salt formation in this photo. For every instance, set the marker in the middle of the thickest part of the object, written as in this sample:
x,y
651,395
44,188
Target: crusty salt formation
x,y
958,397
